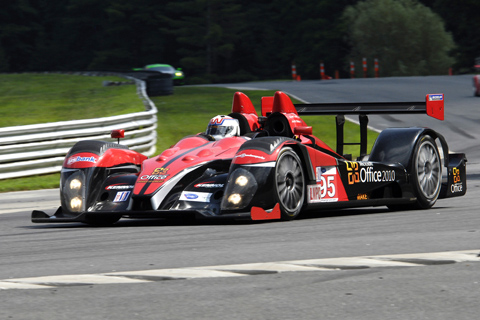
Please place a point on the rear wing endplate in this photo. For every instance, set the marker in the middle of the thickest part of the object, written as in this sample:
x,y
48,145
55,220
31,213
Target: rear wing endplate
x,y
432,106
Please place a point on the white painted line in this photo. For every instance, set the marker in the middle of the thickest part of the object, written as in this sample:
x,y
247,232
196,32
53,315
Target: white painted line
x,y
176,273
458,256
12,285
268,266
353,262
248,269
75,279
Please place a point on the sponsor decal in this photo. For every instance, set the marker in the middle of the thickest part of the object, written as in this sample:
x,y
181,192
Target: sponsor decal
x,y
243,155
457,185
153,178
158,175
119,187
195,196
326,188
74,159
363,172
209,184
353,175
121,196
435,97
456,175
320,171
160,171
362,196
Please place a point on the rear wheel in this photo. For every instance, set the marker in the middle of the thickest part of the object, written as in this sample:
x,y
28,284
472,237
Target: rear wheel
x,y
289,184
426,172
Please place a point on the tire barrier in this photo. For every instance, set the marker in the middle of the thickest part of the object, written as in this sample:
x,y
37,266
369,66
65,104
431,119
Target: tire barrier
x,y
157,83
41,148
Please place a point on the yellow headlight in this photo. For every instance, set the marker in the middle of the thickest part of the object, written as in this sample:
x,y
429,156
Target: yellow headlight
x,y
75,184
241,181
76,203
235,198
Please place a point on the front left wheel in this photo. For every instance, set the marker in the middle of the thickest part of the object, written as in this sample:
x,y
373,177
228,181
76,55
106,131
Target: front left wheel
x,y
289,184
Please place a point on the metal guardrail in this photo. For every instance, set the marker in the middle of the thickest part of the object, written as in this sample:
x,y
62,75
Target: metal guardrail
x,y
41,148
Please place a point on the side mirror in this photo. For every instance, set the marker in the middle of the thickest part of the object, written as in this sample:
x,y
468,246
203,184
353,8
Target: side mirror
x,y
302,130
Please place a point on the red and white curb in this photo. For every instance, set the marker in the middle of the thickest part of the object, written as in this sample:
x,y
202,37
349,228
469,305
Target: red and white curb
x,y
242,270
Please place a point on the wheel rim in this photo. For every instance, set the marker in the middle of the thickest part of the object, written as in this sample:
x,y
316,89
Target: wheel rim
x,y
289,180
428,170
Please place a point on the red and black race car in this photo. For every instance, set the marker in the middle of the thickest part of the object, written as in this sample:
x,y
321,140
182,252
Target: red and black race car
x,y
268,167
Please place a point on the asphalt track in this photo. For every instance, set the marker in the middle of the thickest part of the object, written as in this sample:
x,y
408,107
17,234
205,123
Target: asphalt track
x,y
351,264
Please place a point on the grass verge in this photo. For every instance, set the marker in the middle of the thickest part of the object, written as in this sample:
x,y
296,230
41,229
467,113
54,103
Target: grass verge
x,y
40,98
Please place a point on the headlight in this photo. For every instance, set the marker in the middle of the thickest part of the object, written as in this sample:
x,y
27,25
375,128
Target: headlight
x,y
235,198
73,192
241,181
76,204
241,188
75,184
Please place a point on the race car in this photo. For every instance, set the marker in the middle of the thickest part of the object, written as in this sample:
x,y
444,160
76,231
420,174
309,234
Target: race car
x,y
177,74
267,167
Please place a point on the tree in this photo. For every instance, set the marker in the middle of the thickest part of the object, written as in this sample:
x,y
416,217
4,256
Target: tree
x,y
206,33
18,26
131,36
407,37
461,18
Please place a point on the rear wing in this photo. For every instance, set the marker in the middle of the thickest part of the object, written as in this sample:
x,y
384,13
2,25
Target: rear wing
x,y
432,106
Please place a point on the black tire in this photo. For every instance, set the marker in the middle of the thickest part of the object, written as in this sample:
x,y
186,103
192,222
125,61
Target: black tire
x,y
426,172
289,184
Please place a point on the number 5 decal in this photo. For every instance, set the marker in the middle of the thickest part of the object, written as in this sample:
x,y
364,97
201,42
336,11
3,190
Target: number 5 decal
x,y
327,186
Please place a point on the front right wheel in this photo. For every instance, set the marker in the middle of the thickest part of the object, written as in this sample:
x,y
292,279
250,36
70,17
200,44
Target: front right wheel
x,y
289,184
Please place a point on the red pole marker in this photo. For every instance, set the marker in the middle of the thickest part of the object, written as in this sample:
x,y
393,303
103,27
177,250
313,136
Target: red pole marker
x,y
352,69
322,71
294,71
364,67
376,68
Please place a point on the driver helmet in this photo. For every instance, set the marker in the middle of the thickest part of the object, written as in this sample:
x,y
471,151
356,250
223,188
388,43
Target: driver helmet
x,y
221,127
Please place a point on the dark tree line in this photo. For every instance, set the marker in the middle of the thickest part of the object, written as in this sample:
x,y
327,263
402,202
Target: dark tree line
x,y
212,40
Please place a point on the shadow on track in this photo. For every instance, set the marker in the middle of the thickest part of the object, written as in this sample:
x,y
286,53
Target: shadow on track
x,y
131,223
